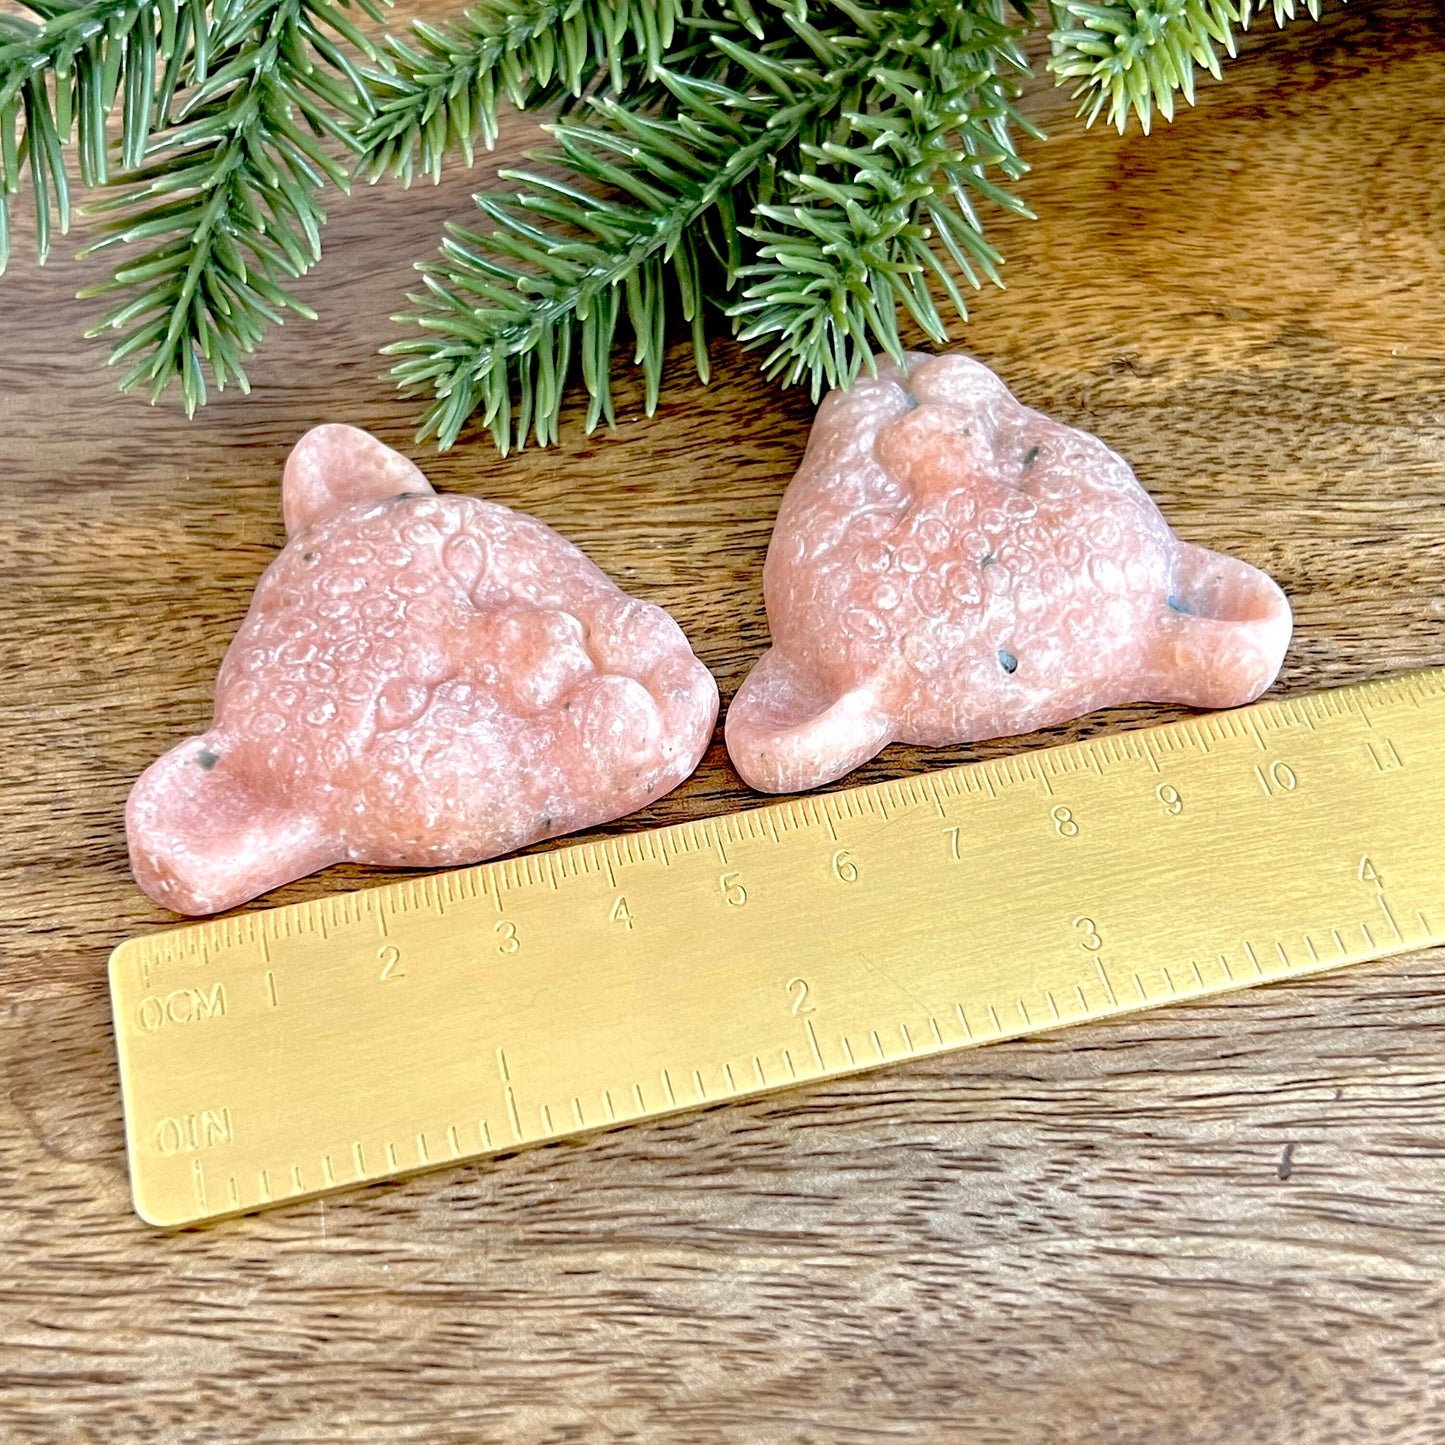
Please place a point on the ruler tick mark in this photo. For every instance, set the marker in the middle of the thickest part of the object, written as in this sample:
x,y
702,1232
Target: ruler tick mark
x,y
1425,922
697,1084
577,1111
1283,956
813,1040
1390,918
360,1159
328,1172
1139,985
421,1153
271,987
502,1064
234,1192
512,1115
637,1094
937,1035
547,1120
878,1044
199,1178
1249,953
667,1087
1053,1007
1024,1013
1310,944
1104,979
297,1186
484,1129
607,1104
455,1140
391,1155
848,1050
1365,929
1339,942
788,1064
728,1075
1198,977
1168,982
993,1014
963,1019
266,1186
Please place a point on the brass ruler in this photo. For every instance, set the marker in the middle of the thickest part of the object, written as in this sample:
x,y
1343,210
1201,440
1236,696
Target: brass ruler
x,y
279,1054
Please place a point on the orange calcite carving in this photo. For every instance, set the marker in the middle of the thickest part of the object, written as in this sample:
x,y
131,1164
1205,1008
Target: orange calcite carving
x,y
949,565
421,681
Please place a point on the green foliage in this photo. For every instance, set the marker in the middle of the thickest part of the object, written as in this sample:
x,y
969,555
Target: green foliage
x,y
224,212
805,172
1134,57
794,178
60,79
442,86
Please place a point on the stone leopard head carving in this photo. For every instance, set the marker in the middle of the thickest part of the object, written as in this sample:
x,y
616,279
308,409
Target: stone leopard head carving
x,y
421,681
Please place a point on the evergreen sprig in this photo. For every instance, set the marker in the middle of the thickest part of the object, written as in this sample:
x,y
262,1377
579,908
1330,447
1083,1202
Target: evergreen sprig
x,y
850,147
1136,56
804,170
442,86
61,78
225,211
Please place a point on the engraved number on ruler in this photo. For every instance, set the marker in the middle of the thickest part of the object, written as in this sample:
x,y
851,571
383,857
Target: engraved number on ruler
x,y
798,992
733,892
844,866
1168,794
621,913
1089,938
507,940
1276,779
389,956
1369,873
1064,822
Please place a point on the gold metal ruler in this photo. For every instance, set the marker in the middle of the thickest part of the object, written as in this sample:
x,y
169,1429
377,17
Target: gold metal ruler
x,y
285,1053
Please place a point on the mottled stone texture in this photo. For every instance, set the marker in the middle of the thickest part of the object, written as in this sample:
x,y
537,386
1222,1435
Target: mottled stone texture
x,y
949,565
421,680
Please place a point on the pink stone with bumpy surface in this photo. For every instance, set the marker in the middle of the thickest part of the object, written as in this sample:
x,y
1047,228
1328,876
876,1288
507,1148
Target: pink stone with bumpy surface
x,y
949,565
421,681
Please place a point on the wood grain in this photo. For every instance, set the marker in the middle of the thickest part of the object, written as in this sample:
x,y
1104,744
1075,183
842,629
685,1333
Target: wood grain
x,y
1210,1224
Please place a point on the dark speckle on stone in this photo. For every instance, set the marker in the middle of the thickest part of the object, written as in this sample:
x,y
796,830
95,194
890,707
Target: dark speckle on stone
x,y
1007,660
545,822
311,557
912,400
1286,1162
1178,604
207,759
987,560
1031,457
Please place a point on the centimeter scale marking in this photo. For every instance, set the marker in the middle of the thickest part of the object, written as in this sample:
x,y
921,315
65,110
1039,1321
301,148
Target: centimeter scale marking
x,y
285,1053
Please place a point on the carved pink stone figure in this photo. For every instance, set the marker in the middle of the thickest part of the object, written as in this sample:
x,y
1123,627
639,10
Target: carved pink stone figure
x,y
421,680
949,565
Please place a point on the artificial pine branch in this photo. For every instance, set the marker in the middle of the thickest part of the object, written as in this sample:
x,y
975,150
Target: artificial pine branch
x,y
1135,56
224,212
442,86
853,143
61,78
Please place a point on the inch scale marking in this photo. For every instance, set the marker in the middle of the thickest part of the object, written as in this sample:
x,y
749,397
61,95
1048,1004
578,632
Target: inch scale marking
x,y
289,1052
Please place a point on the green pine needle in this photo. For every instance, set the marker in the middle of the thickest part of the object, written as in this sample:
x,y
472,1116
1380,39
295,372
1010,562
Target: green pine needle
x,y
224,212
1134,57
444,82
60,79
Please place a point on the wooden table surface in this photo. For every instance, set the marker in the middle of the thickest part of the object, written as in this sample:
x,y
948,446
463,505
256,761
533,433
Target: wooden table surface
x,y
1215,1223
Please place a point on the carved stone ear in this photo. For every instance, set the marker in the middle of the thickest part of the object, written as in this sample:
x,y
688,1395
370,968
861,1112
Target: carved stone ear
x,y
215,833
785,733
333,466
1220,637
